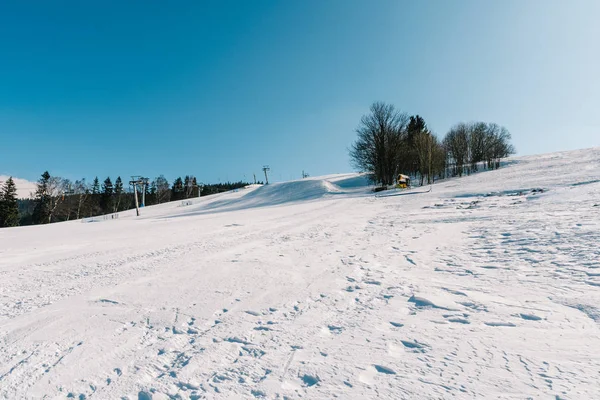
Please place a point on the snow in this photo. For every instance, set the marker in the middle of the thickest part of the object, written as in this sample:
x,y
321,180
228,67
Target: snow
x,y
25,188
487,286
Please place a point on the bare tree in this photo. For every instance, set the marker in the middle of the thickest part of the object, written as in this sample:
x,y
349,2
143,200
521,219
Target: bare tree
x,y
422,142
378,148
469,144
497,145
163,189
56,189
477,139
82,191
457,146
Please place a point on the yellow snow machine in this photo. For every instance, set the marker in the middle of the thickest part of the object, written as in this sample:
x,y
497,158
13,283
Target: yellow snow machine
x,y
403,182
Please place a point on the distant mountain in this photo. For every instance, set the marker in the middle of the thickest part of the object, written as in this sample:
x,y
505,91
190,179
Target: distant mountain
x,y
24,187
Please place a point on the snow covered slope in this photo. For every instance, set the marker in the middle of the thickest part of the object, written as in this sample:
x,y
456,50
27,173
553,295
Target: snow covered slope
x,y
486,287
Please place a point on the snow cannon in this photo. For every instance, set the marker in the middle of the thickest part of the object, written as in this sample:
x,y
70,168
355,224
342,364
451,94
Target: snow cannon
x,y
403,181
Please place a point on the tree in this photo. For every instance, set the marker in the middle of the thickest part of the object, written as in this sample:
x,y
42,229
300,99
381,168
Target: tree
x,y
106,198
9,207
411,157
178,189
456,143
57,188
41,212
118,194
49,193
151,197
162,189
65,204
427,151
467,145
96,186
477,139
195,188
82,191
378,148
94,206
497,145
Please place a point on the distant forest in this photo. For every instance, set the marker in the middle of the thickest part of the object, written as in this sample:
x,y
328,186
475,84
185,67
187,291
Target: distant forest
x,y
59,199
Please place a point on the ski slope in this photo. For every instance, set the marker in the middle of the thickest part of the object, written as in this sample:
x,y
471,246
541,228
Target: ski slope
x,y
486,287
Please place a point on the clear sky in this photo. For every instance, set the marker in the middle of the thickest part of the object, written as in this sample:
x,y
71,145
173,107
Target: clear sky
x,y
219,88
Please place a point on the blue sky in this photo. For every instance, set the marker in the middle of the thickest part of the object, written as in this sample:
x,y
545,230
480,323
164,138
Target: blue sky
x,y
219,88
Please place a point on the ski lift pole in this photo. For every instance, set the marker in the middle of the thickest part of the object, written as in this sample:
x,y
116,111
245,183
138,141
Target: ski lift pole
x,y
133,182
137,206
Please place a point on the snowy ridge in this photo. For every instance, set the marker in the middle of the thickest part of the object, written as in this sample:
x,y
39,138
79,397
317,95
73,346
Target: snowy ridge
x,y
276,194
486,287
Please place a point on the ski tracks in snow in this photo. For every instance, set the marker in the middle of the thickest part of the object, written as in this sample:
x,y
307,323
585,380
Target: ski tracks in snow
x,y
432,296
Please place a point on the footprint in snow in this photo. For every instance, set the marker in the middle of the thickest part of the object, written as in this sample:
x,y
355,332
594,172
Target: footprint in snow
x,y
530,317
459,320
310,380
373,282
384,370
414,345
421,302
507,324
262,328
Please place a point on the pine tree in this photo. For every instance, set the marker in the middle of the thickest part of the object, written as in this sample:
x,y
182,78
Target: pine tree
x,y
41,212
9,208
187,185
106,198
178,189
118,193
95,208
195,192
96,186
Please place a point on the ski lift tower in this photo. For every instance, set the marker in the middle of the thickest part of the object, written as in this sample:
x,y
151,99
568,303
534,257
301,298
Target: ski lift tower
x,y
137,180
265,169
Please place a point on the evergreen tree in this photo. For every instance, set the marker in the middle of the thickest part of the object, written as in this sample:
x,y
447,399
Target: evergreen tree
x,y
178,189
195,192
42,212
151,196
187,185
96,186
106,198
9,207
118,193
147,198
95,208
416,125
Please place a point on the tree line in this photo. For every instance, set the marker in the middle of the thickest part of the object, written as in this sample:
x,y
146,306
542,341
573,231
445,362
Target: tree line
x,y
390,142
59,199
